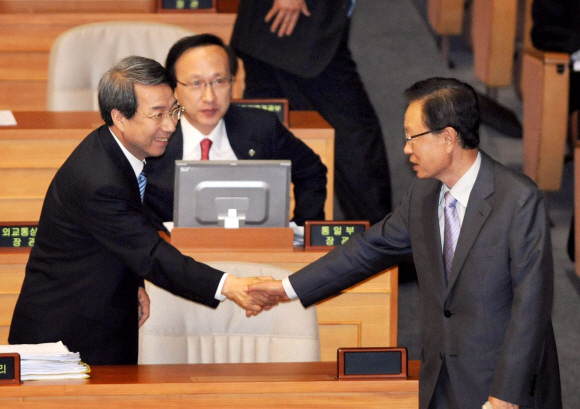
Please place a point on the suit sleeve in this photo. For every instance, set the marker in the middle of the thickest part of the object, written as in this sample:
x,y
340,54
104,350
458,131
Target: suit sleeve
x,y
556,25
532,279
118,224
308,174
383,245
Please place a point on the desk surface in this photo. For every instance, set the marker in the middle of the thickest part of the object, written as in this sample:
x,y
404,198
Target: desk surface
x,y
42,120
311,384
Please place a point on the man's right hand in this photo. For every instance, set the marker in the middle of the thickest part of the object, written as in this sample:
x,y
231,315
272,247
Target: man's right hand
x,y
274,288
287,13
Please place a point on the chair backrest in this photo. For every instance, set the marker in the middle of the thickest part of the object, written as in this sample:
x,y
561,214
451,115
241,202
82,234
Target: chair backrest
x,y
181,331
80,56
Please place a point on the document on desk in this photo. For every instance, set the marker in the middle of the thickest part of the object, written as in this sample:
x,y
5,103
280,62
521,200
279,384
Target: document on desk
x,y
48,361
7,118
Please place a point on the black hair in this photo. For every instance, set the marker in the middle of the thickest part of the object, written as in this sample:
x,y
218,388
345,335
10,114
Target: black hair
x,y
449,102
200,40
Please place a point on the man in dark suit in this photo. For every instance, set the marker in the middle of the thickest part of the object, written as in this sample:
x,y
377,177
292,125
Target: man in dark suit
x,y
202,69
480,240
298,49
94,246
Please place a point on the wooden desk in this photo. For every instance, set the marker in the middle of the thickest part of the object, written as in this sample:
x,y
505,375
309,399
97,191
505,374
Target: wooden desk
x,y
363,316
288,385
32,152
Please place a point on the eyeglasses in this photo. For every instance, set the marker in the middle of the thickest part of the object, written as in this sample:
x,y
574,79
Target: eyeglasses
x,y
217,84
410,138
175,115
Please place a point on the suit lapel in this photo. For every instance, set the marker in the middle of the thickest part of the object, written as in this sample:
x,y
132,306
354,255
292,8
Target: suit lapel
x,y
432,232
126,172
476,214
240,137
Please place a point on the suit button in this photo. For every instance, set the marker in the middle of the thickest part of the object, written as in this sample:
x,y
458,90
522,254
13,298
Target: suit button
x,y
441,355
447,313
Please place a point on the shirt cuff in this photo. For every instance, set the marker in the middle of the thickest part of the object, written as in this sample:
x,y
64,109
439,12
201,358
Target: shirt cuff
x,y
218,294
288,288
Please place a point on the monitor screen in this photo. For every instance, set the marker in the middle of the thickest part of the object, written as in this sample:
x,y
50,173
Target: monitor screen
x,y
212,193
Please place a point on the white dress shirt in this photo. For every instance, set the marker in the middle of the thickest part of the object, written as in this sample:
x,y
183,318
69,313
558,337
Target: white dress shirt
x,y
460,191
220,147
137,165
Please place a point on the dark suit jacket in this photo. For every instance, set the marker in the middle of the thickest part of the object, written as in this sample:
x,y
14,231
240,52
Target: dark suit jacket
x,y
556,25
310,48
93,249
247,129
492,321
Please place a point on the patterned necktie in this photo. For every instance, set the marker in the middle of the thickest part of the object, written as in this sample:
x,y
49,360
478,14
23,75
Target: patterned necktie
x,y
142,180
205,145
451,232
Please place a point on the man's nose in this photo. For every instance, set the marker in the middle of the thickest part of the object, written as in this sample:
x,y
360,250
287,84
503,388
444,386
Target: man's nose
x,y
168,124
208,93
407,148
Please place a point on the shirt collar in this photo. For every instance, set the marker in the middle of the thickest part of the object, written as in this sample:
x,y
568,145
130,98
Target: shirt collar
x,y
462,189
192,136
136,164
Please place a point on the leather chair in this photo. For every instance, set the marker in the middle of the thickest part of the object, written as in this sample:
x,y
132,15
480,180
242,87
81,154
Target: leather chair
x,y
80,56
180,331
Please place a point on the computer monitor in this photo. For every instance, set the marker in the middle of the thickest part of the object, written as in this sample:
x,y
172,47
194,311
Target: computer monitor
x,y
213,193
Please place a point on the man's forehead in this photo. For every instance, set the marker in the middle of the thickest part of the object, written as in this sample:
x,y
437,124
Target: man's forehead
x,y
154,96
199,60
414,114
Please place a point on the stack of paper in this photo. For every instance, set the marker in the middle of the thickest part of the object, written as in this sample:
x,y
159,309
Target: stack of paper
x,y
48,361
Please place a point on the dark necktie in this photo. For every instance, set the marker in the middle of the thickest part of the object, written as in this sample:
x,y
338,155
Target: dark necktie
x,y
142,180
451,231
205,145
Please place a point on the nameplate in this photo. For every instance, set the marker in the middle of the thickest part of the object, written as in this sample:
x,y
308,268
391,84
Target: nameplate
x,y
17,235
277,106
176,6
380,363
326,234
9,369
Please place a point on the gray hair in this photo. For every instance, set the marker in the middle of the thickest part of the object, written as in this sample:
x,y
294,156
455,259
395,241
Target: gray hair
x,y
116,87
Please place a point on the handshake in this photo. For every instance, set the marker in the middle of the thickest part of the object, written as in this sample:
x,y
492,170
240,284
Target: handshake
x,y
254,294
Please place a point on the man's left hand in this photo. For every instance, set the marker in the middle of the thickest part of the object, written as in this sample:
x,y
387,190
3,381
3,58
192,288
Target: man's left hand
x,y
500,404
144,305
287,13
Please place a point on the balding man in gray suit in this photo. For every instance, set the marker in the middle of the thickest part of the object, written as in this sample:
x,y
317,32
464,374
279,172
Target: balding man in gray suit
x,y
480,239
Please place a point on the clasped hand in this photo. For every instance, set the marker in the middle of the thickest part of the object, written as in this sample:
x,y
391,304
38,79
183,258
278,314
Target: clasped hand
x,y
236,289
287,13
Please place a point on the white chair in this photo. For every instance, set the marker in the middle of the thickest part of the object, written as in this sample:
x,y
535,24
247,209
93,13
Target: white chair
x,y
80,56
180,331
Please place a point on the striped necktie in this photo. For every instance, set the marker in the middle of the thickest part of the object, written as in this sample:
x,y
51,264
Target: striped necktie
x,y
451,231
142,180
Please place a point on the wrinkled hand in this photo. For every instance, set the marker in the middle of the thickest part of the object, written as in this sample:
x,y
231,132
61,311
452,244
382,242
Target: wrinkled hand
x,y
236,289
144,305
500,404
287,13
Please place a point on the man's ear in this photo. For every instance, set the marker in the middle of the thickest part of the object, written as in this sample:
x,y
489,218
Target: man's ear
x,y
118,119
450,137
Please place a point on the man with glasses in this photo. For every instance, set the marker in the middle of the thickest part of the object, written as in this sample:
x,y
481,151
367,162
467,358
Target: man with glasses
x,y
480,239
94,247
202,69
